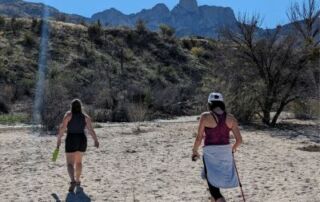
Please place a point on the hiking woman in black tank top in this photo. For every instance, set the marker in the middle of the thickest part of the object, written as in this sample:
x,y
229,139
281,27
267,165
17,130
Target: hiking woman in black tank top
x,y
75,122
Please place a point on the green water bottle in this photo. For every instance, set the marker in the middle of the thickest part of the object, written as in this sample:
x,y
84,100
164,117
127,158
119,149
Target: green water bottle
x,y
55,154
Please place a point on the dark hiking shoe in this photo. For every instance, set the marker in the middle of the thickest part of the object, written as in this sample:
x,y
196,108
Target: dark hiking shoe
x,y
72,186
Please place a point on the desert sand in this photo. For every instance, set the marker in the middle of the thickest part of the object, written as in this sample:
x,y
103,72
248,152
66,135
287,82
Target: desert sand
x,y
154,164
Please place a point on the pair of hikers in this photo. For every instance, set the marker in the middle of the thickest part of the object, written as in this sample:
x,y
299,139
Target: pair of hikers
x,y
214,128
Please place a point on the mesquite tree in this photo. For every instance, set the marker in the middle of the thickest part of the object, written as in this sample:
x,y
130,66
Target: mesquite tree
x,y
279,60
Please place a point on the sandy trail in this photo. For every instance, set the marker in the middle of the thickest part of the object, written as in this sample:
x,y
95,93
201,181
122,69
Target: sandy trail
x,y
155,165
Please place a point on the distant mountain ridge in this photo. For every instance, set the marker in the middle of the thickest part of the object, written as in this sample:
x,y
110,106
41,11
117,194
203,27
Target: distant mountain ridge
x,y
20,8
186,17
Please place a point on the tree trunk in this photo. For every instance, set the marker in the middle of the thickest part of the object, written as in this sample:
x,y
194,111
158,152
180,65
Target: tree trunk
x,y
276,116
267,109
279,111
266,117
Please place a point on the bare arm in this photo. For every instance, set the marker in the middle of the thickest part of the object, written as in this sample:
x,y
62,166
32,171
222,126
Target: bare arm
x,y
62,128
198,139
236,132
91,131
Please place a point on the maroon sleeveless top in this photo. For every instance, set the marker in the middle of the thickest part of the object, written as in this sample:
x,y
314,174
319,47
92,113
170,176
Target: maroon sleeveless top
x,y
218,135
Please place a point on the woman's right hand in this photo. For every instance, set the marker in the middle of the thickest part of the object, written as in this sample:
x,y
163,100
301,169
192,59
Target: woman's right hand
x,y
96,143
58,143
195,156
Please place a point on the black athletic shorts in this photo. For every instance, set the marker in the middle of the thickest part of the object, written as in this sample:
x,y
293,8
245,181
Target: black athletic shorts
x,y
76,142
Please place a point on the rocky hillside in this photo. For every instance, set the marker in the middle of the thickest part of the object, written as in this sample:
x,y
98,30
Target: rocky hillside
x,y
116,71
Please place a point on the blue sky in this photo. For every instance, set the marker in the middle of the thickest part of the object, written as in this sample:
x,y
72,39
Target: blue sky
x,y
272,11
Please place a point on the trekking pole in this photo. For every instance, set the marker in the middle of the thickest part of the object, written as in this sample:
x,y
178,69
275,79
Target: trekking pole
x,y
244,200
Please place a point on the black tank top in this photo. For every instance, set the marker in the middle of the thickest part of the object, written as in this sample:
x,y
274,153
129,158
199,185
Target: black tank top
x,y
77,123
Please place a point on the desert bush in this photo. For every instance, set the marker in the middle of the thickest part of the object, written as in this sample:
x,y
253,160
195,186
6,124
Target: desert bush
x,y
306,109
54,106
148,97
197,51
8,92
187,44
166,31
104,99
131,38
100,115
170,96
243,107
2,22
137,112
95,33
4,106
28,40
24,87
141,27
83,23
61,18
169,74
16,26
34,24
120,114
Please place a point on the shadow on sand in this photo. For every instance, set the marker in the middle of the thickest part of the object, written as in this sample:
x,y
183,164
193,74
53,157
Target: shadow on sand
x,y
78,196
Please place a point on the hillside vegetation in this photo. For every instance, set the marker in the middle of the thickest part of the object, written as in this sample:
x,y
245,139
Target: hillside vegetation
x,y
109,69
118,72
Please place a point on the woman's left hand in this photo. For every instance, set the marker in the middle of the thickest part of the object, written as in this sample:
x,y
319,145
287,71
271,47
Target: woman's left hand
x,y
58,143
234,148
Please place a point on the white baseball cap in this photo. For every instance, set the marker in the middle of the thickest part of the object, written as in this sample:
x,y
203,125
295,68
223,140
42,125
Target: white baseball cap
x,y
215,97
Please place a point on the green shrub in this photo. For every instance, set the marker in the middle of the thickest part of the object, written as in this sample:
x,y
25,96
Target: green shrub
x,y
13,118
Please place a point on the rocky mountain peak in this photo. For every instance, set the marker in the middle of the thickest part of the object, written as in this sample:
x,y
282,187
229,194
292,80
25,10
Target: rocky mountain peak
x,y
189,5
161,7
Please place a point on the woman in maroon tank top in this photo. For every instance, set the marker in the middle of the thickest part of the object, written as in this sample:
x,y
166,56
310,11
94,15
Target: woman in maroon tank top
x,y
214,128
